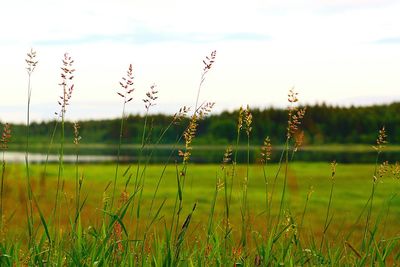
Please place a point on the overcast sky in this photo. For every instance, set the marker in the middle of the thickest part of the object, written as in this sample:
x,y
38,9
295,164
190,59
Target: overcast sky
x,y
340,52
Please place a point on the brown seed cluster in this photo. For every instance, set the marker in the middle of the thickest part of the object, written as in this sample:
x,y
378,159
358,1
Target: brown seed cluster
x,y
189,135
67,74
295,114
208,62
382,170
227,157
77,138
205,109
151,97
127,85
240,119
266,150
381,140
31,61
245,119
191,130
333,168
395,170
248,119
6,136
181,114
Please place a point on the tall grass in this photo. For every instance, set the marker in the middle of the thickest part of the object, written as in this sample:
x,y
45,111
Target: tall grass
x,y
174,233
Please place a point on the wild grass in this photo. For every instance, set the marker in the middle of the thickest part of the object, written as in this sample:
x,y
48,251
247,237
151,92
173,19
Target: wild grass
x,y
180,214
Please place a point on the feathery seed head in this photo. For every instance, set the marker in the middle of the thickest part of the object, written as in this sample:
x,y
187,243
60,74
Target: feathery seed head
x,y
182,113
31,61
208,61
382,170
205,109
227,157
395,170
6,136
240,119
151,97
333,168
126,85
381,140
66,82
77,138
266,150
248,119
295,114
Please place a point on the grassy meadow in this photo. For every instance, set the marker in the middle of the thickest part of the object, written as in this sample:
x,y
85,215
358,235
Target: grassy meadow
x,y
352,189
177,213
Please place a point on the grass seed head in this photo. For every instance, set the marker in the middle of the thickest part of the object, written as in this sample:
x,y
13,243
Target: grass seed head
x,y
333,168
205,110
77,138
240,119
209,61
31,61
6,136
126,85
381,141
180,115
227,157
266,150
295,114
395,170
151,97
67,75
248,119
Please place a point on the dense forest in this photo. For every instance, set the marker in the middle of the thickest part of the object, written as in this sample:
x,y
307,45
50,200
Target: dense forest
x,y
322,124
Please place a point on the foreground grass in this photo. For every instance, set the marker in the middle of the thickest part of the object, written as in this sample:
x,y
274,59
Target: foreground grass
x,y
351,194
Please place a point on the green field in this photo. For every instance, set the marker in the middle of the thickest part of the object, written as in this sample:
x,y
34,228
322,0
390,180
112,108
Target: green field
x,y
353,184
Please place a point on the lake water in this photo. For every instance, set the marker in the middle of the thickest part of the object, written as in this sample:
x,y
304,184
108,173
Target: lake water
x,y
199,156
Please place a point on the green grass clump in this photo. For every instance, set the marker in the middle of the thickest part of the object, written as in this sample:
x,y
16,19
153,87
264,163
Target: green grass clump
x,y
182,214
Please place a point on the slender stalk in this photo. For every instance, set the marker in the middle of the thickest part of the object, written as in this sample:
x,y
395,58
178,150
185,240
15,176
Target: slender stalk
x,y
281,205
2,191
327,215
118,154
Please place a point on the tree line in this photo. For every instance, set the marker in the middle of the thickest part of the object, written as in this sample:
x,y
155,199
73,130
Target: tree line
x,y
322,124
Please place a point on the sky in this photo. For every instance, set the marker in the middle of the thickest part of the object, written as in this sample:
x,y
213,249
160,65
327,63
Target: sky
x,y
341,52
